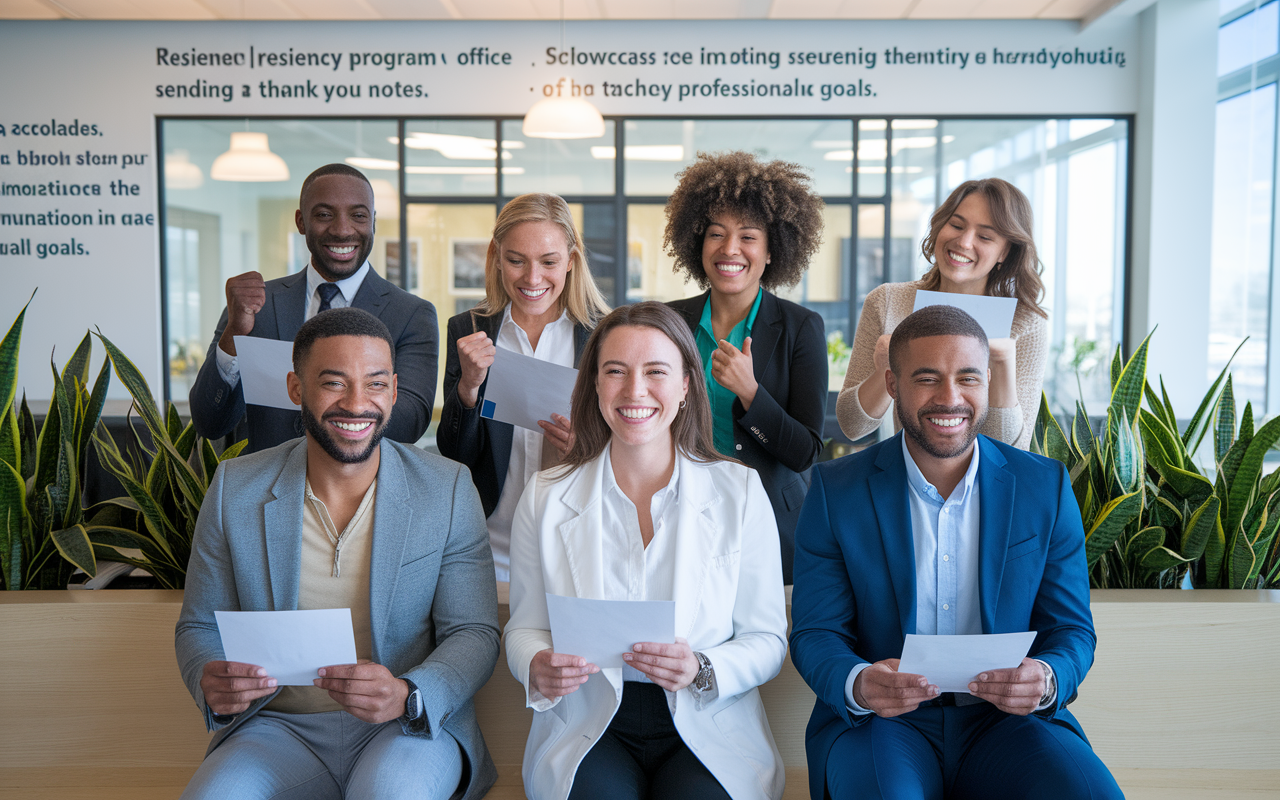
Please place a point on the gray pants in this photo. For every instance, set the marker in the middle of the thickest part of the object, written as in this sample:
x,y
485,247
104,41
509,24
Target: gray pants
x,y
329,755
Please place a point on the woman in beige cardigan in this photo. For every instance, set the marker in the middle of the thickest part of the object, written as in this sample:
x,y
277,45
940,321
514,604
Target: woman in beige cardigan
x,y
979,242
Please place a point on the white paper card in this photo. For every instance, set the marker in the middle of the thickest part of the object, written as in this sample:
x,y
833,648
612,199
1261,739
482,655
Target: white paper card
x,y
602,630
264,368
289,645
994,314
522,390
951,662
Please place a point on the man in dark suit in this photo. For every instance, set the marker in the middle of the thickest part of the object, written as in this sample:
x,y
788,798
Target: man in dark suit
x,y
336,215
941,531
325,522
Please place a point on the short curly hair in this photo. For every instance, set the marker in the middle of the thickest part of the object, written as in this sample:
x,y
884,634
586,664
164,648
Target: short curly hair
x,y
774,194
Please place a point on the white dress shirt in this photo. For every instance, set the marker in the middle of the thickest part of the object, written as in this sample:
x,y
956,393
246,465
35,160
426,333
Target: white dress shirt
x,y
556,346
229,366
945,534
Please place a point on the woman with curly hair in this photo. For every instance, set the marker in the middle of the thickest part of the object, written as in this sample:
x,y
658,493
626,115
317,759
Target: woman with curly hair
x,y
741,228
979,242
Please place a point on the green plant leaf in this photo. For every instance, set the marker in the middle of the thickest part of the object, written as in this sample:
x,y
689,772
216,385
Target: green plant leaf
x,y
1127,459
93,412
74,545
1082,437
1109,523
1200,528
1170,418
29,438
185,441
136,384
232,451
1142,542
13,524
208,460
1162,445
9,347
77,367
1240,563
1049,436
173,423
1224,433
1200,421
1244,483
10,438
1117,367
1126,392
1159,559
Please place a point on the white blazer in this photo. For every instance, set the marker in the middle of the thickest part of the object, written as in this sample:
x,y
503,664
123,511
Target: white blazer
x,y
729,605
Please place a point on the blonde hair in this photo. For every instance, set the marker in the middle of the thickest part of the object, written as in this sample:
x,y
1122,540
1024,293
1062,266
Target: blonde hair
x,y
580,297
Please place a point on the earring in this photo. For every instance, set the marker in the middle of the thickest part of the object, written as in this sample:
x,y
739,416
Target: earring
x,y
682,405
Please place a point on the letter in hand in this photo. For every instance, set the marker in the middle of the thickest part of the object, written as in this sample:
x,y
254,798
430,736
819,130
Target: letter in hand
x,y
475,356
671,666
887,692
1013,691
230,687
246,295
365,690
555,675
558,432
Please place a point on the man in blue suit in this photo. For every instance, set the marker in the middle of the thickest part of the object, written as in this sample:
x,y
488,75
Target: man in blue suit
x,y
942,531
344,519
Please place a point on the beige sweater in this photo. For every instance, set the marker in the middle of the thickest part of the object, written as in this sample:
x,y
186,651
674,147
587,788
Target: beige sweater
x,y
889,304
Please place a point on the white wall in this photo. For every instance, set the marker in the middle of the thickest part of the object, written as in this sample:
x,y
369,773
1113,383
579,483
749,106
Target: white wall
x,y
106,74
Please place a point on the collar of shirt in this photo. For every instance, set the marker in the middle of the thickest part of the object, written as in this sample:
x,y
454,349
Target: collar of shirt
x,y
347,287
661,498
922,487
510,333
741,330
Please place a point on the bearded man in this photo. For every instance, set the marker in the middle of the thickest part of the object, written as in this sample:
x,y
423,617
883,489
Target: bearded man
x,y
940,531
344,518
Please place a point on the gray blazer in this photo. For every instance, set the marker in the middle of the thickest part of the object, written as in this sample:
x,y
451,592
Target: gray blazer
x,y
431,590
217,409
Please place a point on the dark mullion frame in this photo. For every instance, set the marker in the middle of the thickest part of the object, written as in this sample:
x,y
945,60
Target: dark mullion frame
x,y
855,204
163,217
620,258
405,256
886,264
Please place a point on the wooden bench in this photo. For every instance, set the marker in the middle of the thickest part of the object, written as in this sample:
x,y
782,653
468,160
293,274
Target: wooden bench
x,y
1180,704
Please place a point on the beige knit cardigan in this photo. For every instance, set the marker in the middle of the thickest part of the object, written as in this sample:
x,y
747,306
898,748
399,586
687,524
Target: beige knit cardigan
x,y
890,303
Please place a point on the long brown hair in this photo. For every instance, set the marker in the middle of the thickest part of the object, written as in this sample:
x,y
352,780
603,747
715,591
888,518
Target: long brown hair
x,y
1018,275
691,428
580,297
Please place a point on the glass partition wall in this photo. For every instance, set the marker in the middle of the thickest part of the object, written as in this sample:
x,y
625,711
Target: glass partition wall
x,y
881,179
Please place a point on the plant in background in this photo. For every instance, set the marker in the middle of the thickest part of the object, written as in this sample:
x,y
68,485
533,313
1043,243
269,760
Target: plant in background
x,y
838,352
1150,515
44,531
165,485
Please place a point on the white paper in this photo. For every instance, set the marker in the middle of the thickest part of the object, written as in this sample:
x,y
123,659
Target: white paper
x,y
951,662
602,630
264,368
994,314
289,645
522,390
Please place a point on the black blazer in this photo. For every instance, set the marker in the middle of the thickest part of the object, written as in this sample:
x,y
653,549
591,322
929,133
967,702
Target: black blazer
x,y
484,445
781,436
217,408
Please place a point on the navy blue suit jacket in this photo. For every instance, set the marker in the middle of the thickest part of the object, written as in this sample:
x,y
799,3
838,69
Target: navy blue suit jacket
x,y
855,592
217,409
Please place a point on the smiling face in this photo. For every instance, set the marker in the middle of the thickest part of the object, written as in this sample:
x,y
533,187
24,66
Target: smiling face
x,y
346,390
940,391
734,254
968,247
641,381
338,220
534,263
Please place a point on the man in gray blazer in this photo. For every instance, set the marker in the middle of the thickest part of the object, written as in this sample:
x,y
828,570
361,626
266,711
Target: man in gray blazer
x,y
344,519
336,214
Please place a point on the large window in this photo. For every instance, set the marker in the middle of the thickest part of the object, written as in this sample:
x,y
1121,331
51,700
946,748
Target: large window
x,y
881,179
1243,259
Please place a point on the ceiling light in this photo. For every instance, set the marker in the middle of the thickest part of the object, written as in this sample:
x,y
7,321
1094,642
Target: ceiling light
x,y
372,163
641,152
914,124
563,118
250,160
180,173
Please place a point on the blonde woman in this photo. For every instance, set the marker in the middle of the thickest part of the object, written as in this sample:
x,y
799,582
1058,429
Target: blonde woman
x,y
540,301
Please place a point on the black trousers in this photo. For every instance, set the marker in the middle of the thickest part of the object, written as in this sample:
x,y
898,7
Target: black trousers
x,y
640,756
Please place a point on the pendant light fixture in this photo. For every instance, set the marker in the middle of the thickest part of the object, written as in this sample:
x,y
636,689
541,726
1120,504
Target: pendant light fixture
x,y
563,117
249,160
180,173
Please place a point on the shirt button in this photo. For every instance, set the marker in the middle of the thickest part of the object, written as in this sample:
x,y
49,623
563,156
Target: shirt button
x,y
946,607
946,558
737,447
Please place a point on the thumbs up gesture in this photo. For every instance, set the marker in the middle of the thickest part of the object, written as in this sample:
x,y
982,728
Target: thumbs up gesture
x,y
733,369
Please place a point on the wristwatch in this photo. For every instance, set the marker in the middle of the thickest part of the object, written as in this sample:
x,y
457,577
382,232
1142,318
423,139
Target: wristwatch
x,y
705,680
412,703
1050,686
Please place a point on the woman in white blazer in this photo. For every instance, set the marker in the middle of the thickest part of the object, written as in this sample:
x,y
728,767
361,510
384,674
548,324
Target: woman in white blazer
x,y
644,508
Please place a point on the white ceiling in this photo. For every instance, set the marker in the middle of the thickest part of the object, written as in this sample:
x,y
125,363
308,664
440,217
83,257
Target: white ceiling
x,y
1083,10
